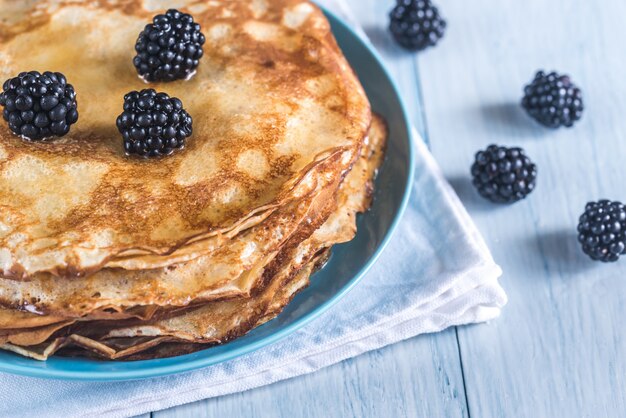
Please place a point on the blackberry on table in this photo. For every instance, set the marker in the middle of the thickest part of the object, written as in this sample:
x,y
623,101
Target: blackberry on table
x,y
416,24
153,124
553,100
503,175
169,48
39,106
602,230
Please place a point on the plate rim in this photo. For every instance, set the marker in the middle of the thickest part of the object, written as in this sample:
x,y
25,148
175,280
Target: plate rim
x,y
187,366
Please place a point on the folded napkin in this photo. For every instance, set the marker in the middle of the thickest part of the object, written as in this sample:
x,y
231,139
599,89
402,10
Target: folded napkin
x,y
435,273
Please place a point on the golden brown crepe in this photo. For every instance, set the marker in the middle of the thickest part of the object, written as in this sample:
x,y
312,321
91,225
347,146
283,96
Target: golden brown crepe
x,y
216,322
273,98
117,257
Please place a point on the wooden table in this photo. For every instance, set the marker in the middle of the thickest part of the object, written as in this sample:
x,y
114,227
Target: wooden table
x,y
559,348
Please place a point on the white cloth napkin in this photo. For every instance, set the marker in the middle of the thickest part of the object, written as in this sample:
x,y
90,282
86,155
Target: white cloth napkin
x,y
436,272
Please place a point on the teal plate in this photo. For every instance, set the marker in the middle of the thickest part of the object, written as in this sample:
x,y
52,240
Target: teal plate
x,y
348,264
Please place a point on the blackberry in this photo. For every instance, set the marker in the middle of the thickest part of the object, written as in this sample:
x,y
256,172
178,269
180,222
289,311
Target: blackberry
x,y
416,24
602,230
553,100
503,175
153,124
169,48
39,106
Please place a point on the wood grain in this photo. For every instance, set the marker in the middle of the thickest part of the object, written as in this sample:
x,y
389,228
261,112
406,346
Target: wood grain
x,y
559,348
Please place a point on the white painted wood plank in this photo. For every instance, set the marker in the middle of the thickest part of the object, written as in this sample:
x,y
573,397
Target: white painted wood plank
x,y
559,348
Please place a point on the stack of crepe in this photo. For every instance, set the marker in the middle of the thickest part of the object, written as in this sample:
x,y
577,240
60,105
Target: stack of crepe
x,y
123,258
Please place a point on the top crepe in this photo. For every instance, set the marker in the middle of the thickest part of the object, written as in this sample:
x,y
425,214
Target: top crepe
x,y
273,97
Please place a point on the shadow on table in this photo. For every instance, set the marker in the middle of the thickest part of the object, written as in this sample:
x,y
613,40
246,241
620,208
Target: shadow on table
x,y
511,117
561,250
466,191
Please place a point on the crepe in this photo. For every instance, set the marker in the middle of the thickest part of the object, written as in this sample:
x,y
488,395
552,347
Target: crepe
x,y
216,322
272,99
229,271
